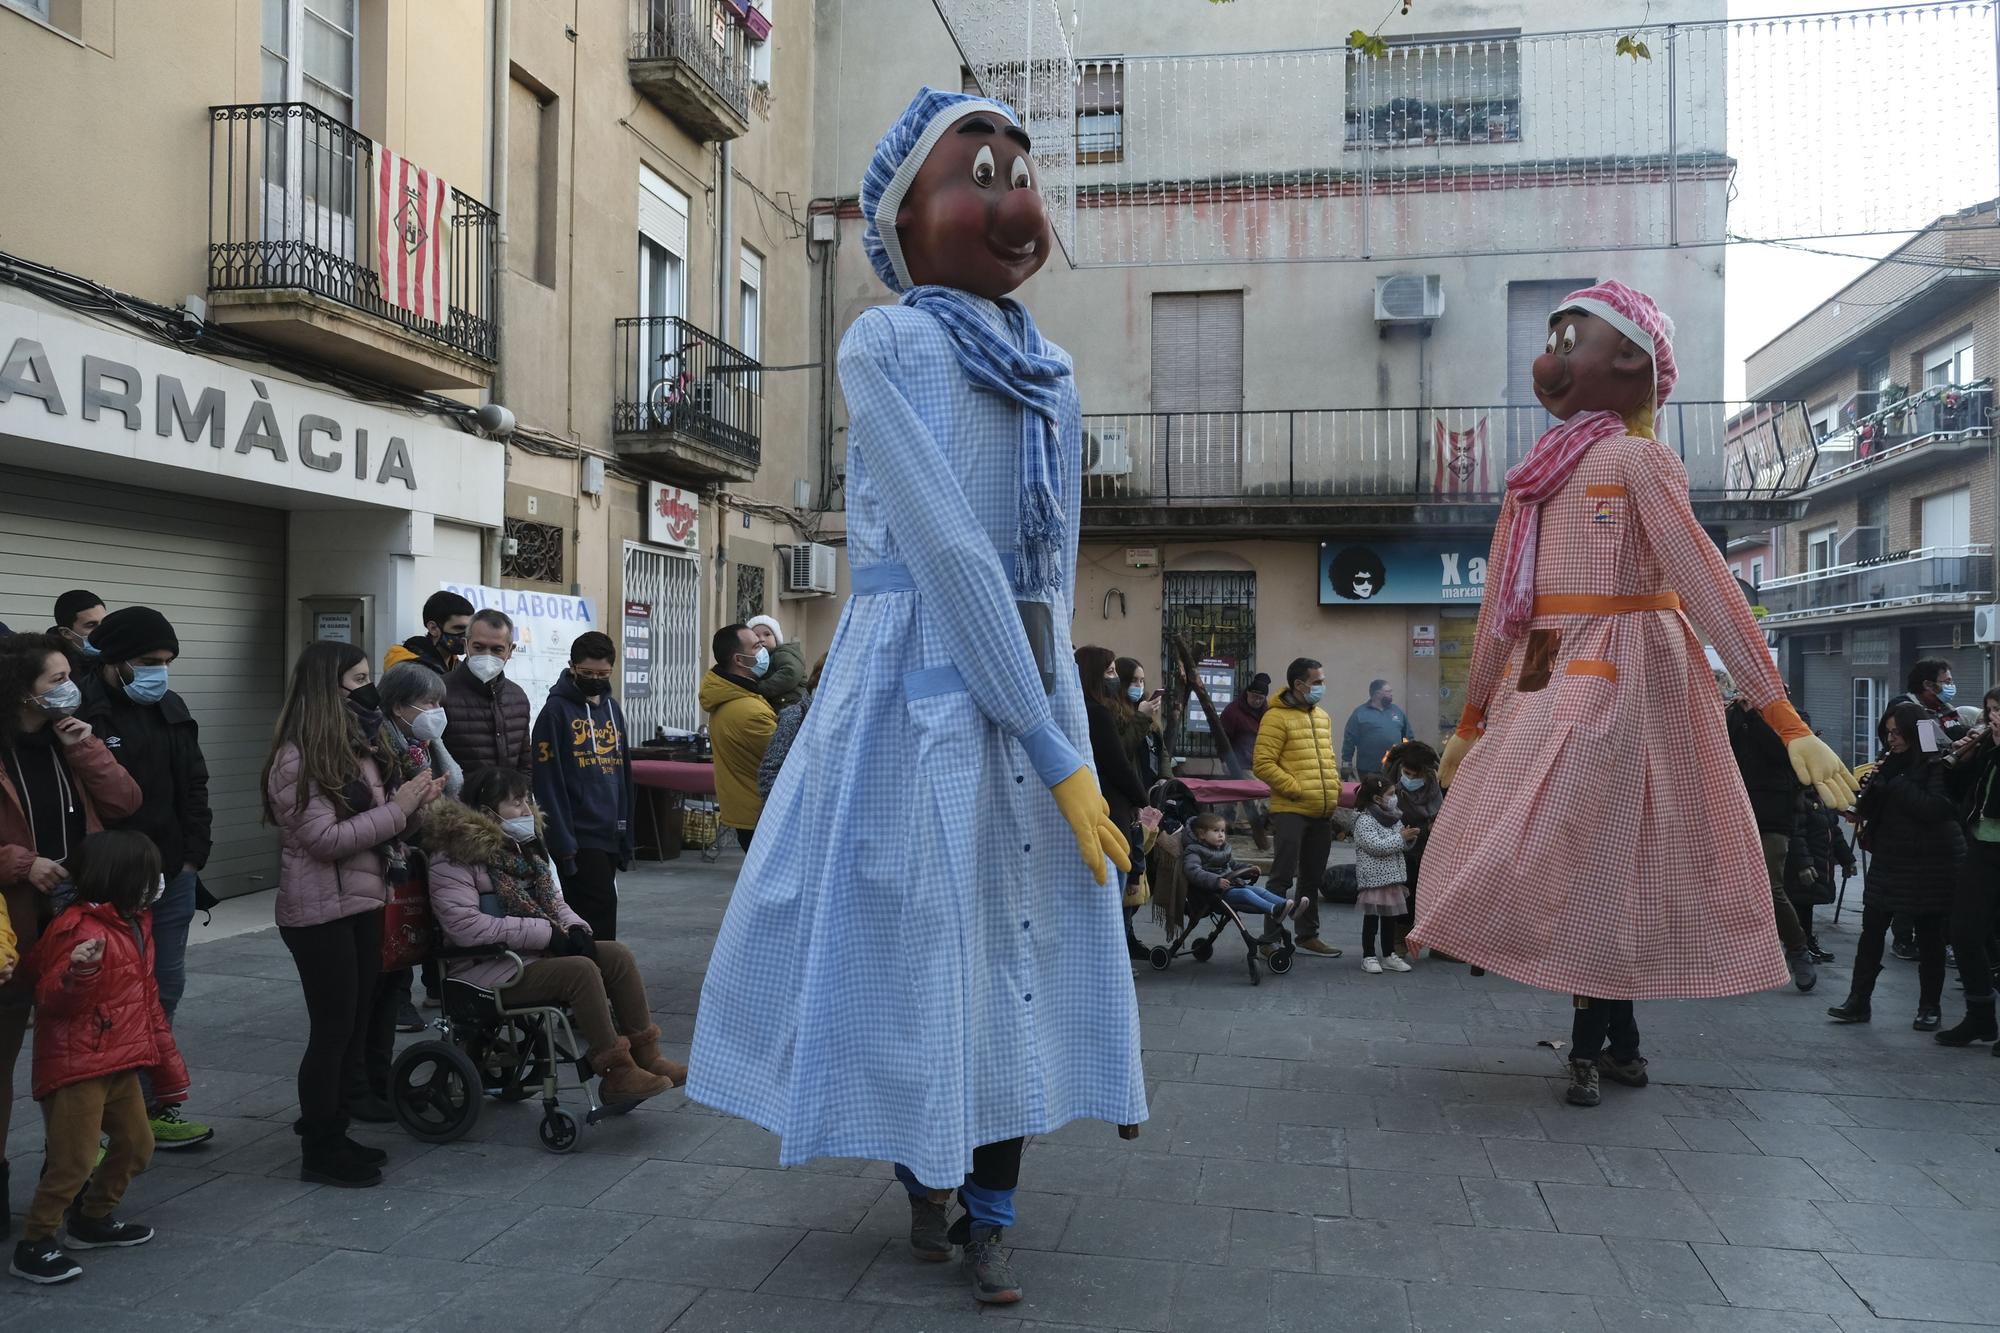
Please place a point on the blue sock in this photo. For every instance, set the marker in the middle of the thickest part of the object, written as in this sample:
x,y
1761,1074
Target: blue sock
x,y
988,1207
916,1187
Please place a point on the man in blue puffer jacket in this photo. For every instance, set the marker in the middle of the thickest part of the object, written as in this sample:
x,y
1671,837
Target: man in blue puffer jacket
x,y
583,782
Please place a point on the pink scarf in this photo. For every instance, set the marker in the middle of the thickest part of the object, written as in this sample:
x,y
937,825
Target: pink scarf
x,y
1532,481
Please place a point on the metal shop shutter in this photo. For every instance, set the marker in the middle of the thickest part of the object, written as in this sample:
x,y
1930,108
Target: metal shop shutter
x,y
217,571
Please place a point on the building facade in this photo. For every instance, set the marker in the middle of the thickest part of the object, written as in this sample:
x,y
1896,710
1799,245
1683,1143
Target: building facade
x,y
1894,551
1256,433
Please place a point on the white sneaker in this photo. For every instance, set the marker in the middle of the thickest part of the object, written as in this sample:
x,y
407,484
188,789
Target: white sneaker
x,y
1372,965
1395,963
1293,906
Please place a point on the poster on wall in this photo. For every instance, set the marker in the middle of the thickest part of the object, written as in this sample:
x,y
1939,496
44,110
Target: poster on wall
x,y
1420,573
544,625
672,516
637,651
1218,676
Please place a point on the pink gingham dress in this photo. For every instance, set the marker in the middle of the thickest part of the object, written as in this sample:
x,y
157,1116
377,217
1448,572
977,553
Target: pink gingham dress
x,y
1597,839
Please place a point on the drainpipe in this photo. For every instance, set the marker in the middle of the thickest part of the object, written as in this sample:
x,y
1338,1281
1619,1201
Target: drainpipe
x,y
723,226
501,14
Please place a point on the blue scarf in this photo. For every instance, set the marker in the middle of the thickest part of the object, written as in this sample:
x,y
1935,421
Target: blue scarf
x,y
1030,376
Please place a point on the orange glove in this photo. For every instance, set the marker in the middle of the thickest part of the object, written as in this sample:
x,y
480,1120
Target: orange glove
x,y
1082,805
1469,731
1813,760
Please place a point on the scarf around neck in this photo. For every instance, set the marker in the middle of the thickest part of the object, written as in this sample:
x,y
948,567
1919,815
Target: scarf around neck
x,y
1531,482
524,886
1022,370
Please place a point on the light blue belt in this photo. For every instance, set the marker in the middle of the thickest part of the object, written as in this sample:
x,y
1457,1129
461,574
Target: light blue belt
x,y
889,576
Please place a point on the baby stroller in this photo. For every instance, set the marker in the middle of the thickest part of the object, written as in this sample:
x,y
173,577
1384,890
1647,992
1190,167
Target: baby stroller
x,y
490,1049
1186,909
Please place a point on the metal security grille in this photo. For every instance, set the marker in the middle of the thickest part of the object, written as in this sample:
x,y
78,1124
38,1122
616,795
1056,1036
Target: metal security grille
x,y
749,594
1216,612
534,552
671,586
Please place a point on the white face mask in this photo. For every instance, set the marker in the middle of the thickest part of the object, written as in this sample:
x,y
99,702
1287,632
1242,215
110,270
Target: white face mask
x,y
485,666
521,828
428,725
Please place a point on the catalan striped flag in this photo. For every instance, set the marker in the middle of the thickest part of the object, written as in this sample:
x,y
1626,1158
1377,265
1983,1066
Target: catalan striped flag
x,y
412,236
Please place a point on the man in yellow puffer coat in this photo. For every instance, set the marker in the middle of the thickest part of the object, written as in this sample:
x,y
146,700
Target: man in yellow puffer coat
x,y
740,725
1295,760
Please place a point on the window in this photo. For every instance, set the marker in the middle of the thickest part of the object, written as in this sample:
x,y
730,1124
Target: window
x,y
1197,387
1100,111
310,55
749,593
1820,547
1737,569
1454,88
1870,700
1757,572
311,171
760,52
663,237
533,148
1950,362
750,308
533,552
1946,519
39,8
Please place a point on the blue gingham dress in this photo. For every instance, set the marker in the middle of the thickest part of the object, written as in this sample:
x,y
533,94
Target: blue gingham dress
x,y
916,960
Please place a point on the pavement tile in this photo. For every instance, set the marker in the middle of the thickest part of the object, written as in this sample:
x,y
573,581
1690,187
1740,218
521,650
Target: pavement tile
x,y
826,1264
1316,1191
700,1252
1875,1228
1286,1106
674,1189
1382,1150
1529,1261
1711,1134
1945,1290
239,1272
488,1170
801,1199
1142,1229
1069,1169
1311,1302
1972,1186
1779,1223
754,1312
349,1289
1312,1145
1271,1240
1092,1290
1239,1071
1958,1233
637,1307
1663,1270
1918,1147
1407,1196
1641,1214
1441,1307
1636,1168
464,1227
1748,1175
1672,1317
364,1219
527,1297
226,1205
1364,1247
1531,1159
1815,1142
1799,1107
1904,1113
1506,1203
564,1240
1485,1120
1887,1182
1795,1280
1168,1177
1611,1125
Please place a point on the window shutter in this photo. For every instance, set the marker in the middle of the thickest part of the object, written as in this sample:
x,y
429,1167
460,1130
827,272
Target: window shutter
x,y
663,213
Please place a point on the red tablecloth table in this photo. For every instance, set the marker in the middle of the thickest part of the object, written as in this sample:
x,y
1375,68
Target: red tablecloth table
x,y
684,776
665,784
1223,791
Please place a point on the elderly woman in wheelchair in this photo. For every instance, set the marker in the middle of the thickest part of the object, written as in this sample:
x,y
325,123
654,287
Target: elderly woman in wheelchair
x,y
493,894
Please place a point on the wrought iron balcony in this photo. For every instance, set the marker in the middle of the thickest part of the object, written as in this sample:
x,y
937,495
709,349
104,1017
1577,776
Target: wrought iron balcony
x,y
295,244
1875,438
1907,578
1408,456
691,59
687,402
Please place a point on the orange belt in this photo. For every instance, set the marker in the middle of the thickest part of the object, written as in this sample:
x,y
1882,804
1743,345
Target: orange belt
x,y
1586,604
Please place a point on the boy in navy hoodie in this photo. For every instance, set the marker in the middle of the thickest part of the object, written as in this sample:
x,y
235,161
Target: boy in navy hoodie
x,y
583,782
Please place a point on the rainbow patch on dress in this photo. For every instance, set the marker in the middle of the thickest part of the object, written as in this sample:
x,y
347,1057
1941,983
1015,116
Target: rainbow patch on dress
x,y
1602,512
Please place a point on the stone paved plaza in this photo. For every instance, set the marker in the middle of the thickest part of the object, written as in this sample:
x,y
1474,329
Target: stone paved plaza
x,y
1327,1150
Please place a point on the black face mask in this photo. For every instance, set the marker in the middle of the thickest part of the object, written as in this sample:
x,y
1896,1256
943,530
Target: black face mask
x,y
592,686
365,698
451,645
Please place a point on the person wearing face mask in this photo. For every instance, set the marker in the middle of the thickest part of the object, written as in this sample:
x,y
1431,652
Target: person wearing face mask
x,y
78,612
1111,753
1413,765
1294,758
583,782
490,885
782,682
1243,716
447,618
1380,872
58,784
741,723
148,727
487,715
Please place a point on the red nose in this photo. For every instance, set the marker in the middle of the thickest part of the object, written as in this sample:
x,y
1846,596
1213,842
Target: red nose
x,y
1019,217
1551,372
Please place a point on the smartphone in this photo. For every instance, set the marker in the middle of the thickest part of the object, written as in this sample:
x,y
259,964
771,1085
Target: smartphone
x,y
1156,694
1929,735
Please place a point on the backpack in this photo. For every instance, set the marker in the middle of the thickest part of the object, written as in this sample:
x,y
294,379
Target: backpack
x,y
1340,884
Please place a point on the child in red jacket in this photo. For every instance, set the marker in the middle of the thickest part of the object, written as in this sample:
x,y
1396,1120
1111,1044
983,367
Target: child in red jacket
x,y
98,1022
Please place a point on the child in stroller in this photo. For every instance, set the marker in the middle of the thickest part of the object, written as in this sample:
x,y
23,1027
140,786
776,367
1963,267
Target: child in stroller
x,y
1212,867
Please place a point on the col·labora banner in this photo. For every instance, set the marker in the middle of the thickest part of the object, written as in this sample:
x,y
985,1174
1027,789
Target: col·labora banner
x,y
412,236
544,625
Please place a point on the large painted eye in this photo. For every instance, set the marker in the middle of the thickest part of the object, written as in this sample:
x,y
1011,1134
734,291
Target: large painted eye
x,y
1568,339
1018,177
983,170
1550,345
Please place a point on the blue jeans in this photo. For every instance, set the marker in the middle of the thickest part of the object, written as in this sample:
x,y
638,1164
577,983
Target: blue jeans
x,y
172,916
1248,898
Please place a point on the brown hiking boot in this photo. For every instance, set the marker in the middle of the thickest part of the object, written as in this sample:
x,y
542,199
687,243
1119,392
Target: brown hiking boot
x,y
1583,1089
1632,1073
646,1055
619,1080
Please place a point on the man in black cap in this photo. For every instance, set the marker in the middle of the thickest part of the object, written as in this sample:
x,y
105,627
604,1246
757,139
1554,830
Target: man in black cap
x,y
148,727
1243,716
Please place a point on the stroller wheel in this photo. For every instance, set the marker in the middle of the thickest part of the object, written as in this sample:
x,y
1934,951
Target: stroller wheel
x,y
1280,961
1160,957
1203,950
558,1130
436,1091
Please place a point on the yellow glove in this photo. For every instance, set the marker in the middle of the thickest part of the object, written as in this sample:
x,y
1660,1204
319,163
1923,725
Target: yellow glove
x,y
1460,744
1813,760
1090,820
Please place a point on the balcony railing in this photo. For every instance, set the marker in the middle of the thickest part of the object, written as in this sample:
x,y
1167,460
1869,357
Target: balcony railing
x,y
1438,455
704,39
291,206
1905,427
674,379
1933,574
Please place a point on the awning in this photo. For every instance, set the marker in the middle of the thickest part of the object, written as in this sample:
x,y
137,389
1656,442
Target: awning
x,y
752,19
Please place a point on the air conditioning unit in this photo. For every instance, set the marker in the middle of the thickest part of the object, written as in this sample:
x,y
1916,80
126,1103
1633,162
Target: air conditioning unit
x,y
1106,452
809,570
1986,624
1409,298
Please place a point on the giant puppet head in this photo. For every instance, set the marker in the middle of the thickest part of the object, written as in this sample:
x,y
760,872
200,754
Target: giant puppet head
x,y
1610,349
950,199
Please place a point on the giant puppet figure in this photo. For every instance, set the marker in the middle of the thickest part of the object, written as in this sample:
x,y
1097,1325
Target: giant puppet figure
x,y
917,966
1597,839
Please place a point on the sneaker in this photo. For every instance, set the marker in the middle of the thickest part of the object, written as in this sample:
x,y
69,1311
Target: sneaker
x,y
1632,1073
407,1017
993,1280
1294,906
43,1261
1927,1020
1395,963
928,1240
173,1132
1906,952
102,1233
1804,975
1320,947
1818,954
1372,965
1583,1089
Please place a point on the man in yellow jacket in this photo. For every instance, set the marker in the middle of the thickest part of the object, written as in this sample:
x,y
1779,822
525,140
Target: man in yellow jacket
x,y
1295,759
740,725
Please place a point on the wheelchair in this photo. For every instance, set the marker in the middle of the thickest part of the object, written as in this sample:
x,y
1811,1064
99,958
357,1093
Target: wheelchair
x,y
488,1048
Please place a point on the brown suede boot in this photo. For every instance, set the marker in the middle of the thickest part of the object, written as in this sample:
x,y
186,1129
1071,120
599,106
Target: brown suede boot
x,y
619,1080
646,1055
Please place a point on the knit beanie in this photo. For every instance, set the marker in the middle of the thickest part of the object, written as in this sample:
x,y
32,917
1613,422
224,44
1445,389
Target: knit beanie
x,y
769,622
134,631
1259,684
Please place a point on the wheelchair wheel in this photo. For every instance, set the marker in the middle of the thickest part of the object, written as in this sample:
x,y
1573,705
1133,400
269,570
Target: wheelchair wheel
x,y
1203,950
1280,961
1160,957
435,1090
558,1130
511,1061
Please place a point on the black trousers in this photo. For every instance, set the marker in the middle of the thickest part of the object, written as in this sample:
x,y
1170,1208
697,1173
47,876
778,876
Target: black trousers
x,y
1972,917
1391,927
1598,1021
1299,854
339,963
593,892
1929,928
378,1037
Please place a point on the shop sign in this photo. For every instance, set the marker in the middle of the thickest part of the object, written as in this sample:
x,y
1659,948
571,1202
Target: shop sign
x,y
638,651
1414,573
1217,676
544,625
673,516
